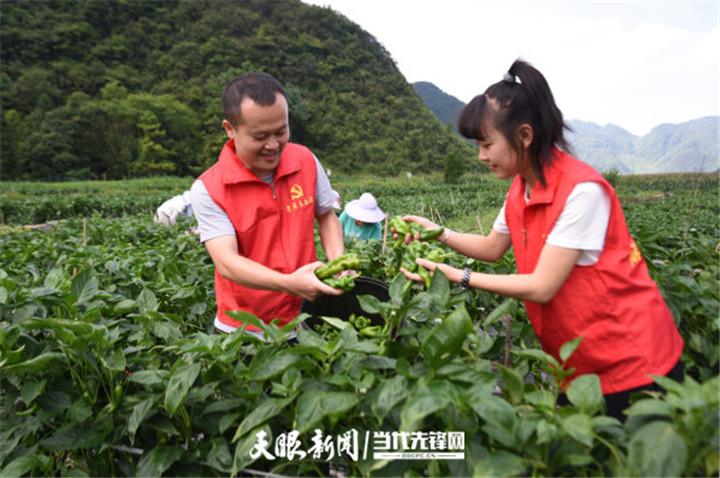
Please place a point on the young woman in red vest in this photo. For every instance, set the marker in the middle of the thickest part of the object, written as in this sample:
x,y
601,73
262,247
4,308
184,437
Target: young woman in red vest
x,y
579,272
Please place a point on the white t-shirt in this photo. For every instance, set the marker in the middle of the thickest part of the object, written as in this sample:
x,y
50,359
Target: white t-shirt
x,y
581,225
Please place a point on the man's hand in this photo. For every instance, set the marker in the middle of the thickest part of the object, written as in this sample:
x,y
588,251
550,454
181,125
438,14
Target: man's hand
x,y
304,283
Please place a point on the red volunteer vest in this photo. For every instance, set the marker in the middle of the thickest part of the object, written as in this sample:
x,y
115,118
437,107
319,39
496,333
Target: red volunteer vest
x,y
628,331
276,230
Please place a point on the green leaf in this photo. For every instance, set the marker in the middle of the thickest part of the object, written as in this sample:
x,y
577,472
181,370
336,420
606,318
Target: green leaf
x,y
307,410
85,286
23,465
337,323
219,456
228,420
650,406
656,449
83,437
585,393
537,354
80,410
512,383
568,348
147,301
426,400
115,361
271,330
263,412
272,365
39,364
54,279
31,390
541,398
224,405
397,289
509,306
179,383
498,419
314,405
370,304
439,287
138,414
150,377
579,426
546,432
163,458
390,393
447,337
500,463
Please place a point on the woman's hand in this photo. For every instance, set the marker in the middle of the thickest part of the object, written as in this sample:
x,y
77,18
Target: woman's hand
x,y
422,221
453,274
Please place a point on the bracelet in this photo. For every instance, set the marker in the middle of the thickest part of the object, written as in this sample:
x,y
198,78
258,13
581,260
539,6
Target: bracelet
x,y
446,235
465,282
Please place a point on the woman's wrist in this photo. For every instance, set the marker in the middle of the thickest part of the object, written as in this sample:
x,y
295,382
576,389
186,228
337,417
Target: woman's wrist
x,y
445,235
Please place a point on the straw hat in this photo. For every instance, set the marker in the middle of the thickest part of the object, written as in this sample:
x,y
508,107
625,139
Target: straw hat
x,y
365,209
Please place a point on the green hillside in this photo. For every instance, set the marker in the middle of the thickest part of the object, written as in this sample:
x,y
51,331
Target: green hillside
x,y
117,89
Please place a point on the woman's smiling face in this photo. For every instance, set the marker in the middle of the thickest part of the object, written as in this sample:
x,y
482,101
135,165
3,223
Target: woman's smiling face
x,y
497,152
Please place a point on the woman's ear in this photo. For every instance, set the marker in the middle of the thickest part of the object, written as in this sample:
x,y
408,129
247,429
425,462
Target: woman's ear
x,y
525,135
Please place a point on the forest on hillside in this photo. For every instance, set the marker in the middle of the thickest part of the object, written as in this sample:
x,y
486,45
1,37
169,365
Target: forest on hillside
x,y
112,89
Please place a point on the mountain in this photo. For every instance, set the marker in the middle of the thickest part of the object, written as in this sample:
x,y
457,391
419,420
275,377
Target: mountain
x,y
114,89
691,146
444,106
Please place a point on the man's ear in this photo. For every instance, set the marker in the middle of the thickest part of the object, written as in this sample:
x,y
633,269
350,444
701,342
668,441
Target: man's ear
x,y
525,135
229,129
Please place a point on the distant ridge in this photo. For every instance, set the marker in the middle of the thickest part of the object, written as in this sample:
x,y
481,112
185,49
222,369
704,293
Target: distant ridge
x,y
691,146
444,106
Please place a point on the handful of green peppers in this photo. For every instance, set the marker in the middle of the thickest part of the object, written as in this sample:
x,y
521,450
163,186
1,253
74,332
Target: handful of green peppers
x,y
401,228
417,249
347,262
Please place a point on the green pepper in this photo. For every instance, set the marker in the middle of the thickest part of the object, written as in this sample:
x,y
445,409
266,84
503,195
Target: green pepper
x,y
370,331
362,322
399,225
435,254
345,283
430,234
345,262
425,274
117,396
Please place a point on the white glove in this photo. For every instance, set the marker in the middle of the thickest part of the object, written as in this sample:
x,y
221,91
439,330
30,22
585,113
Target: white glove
x,y
169,211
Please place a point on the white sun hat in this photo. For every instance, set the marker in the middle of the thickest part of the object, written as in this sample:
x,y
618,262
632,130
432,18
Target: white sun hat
x,y
365,209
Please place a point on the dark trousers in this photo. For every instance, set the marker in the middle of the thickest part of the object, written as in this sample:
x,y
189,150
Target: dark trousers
x,y
616,403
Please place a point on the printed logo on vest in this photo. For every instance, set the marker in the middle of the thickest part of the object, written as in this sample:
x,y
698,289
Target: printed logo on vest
x,y
298,199
635,256
296,192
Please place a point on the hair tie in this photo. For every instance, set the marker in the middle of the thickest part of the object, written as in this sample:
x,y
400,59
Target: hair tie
x,y
510,78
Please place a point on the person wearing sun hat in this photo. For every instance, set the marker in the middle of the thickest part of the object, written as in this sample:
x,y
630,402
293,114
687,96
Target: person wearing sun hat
x,y
362,218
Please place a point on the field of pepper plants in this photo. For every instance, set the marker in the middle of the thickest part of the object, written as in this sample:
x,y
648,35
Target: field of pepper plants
x,y
109,365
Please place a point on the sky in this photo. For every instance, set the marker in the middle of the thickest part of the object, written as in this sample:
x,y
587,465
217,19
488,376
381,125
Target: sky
x,y
634,64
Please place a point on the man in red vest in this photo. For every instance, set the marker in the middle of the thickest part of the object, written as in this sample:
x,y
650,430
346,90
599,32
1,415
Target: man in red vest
x,y
256,209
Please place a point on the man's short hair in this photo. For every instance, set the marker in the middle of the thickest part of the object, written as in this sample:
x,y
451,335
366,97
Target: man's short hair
x,y
259,87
